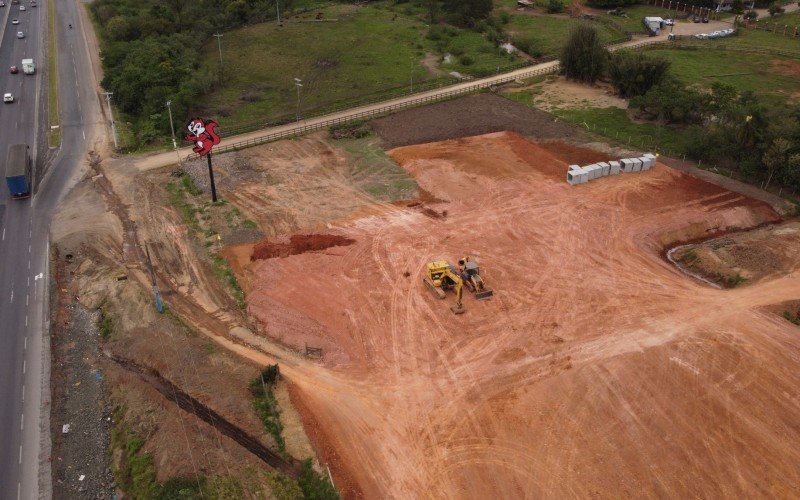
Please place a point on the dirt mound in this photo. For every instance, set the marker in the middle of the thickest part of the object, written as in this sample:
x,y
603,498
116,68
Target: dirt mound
x,y
469,116
299,243
590,333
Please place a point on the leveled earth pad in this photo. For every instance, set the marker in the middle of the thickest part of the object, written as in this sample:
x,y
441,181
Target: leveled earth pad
x,y
597,369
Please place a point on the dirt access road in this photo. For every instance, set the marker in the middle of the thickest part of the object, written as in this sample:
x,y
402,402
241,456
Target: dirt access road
x,y
598,369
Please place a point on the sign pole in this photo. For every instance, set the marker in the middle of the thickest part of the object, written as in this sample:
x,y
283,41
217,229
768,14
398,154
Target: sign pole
x,y
211,178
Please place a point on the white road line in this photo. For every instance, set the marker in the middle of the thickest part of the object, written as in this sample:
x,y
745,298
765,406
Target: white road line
x,y
29,249
22,421
4,234
24,366
20,454
29,266
84,134
26,320
26,299
19,490
23,393
12,297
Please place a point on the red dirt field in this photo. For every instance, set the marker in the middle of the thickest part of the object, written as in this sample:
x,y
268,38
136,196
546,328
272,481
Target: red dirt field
x,y
597,370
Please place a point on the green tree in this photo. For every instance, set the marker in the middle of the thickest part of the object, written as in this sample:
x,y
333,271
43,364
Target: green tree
x,y
555,6
776,8
468,12
750,15
737,7
634,73
775,158
671,102
583,57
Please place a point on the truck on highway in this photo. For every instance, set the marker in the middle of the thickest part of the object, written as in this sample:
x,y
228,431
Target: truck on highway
x,y
28,67
18,171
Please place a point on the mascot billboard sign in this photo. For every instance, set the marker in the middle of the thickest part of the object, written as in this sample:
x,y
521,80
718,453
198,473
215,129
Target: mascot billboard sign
x,y
204,136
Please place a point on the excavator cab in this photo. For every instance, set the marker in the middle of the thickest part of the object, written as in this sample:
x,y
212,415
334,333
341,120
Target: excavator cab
x,y
471,275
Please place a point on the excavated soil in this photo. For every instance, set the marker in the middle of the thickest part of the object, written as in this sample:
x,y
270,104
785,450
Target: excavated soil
x,y
469,116
298,243
745,257
598,368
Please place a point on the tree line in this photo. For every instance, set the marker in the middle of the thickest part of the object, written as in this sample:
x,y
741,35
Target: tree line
x,y
150,51
726,126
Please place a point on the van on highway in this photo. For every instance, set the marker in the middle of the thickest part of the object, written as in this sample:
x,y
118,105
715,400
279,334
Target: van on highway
x,y
28,67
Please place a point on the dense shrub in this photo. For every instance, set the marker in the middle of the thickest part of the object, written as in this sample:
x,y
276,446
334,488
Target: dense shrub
x,y
583,57
555,6
634,73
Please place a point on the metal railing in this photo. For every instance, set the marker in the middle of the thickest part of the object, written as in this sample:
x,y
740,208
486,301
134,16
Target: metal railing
x,y
370,113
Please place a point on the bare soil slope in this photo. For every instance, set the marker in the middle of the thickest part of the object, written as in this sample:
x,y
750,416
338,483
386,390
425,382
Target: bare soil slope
x,y
598,369
745,257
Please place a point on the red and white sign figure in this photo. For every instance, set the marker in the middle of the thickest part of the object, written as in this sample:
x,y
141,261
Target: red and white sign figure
x,y
202,134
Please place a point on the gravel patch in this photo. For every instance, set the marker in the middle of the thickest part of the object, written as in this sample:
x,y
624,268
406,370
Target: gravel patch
x,y
81,463
469,116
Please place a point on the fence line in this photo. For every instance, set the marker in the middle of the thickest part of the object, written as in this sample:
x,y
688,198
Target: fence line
x,y
356,116
467,89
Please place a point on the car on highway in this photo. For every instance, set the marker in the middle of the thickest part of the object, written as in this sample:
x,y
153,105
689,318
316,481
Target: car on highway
x,y
14,70
15,21
8,97
21,7
33,3
20,34
2,4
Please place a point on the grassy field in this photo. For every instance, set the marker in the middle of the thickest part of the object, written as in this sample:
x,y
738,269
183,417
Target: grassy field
x,y
547,34
614,124
357,52
777,79
790,19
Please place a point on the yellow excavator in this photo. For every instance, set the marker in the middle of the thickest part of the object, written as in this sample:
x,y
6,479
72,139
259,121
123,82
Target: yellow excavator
x,y
441,276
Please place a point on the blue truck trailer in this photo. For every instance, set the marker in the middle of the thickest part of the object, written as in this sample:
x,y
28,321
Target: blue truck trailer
x,y
18,170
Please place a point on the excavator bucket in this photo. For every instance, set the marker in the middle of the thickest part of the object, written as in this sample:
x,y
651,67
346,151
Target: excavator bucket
x,y
484,294
458,309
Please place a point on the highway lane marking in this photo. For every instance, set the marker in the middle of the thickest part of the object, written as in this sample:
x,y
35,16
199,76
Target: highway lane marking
x,y
24,366
20,454
23,393
4,234
29,249
24,346
12,297
84,134
26,299
26,321
29,279
22,421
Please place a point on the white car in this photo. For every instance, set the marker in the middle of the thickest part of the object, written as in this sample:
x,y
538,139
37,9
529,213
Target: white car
x,y
20,34
15,21
21,7
8,97
669,22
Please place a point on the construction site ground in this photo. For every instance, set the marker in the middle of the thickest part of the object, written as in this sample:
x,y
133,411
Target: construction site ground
x,y
744,257
598,368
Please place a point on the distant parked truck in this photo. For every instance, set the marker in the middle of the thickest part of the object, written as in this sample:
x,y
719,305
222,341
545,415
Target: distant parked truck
x,y
28,67
18,171
653,25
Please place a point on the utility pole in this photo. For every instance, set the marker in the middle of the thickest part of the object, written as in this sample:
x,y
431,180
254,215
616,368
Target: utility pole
x,y
278,10
111,115
171,126
218,35
412,77
298,83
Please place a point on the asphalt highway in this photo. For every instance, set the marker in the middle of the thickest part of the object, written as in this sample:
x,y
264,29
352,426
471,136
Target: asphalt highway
x,y
25,225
